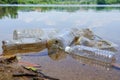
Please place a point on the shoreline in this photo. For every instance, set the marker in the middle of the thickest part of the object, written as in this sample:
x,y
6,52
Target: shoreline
x,y
61,5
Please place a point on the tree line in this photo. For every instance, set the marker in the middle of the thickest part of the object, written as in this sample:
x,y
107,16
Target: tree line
x,y
59,1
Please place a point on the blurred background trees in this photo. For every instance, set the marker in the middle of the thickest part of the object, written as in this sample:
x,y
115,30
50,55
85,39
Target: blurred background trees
x,y
59,1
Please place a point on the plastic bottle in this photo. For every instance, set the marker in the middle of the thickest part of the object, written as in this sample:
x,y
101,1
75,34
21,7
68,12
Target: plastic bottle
x,y
83,32
92,53
24,43
91,62
35,33
63,39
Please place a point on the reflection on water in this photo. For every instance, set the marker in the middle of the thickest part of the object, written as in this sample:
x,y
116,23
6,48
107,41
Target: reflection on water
x,y
56,54
12,11
91,62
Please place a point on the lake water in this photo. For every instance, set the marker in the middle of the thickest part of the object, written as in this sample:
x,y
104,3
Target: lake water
x,y
103,20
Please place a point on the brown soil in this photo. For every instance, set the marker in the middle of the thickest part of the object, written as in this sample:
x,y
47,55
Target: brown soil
x,y
10,69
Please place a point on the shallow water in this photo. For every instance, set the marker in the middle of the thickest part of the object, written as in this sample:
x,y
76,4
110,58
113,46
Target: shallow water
x,y
104,21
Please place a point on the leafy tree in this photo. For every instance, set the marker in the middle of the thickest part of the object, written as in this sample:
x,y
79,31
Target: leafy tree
x,y
59,1
100,2
112,1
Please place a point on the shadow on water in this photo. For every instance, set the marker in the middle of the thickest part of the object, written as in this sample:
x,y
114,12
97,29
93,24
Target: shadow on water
x,y
12,11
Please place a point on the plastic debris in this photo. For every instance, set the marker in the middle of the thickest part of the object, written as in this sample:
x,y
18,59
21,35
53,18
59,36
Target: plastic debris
x,y
88,38
91,62
65,38
92,53
22,46
51,36
81,41
35,33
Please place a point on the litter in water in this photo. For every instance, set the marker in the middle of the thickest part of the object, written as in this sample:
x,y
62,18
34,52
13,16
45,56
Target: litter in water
x,y
82,42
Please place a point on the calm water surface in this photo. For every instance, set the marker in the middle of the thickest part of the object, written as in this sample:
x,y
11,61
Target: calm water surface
x,y
104,21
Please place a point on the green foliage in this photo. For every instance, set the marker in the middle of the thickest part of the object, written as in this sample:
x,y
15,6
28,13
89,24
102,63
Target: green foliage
x,y
100,2
112,1
59,1
12,12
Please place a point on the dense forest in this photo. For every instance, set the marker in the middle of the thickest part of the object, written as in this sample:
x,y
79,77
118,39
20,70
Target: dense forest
x,y
59,1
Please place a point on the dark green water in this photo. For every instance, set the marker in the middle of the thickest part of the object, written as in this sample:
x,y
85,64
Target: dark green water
x,y
104,21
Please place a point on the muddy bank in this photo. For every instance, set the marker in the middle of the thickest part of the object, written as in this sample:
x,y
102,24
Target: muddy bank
x,y
12,69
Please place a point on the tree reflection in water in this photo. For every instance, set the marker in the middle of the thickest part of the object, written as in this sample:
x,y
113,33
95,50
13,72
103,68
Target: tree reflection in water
x,y
10,12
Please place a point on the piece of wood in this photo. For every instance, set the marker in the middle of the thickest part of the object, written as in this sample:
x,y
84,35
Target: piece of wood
x,y
24,74
116,66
